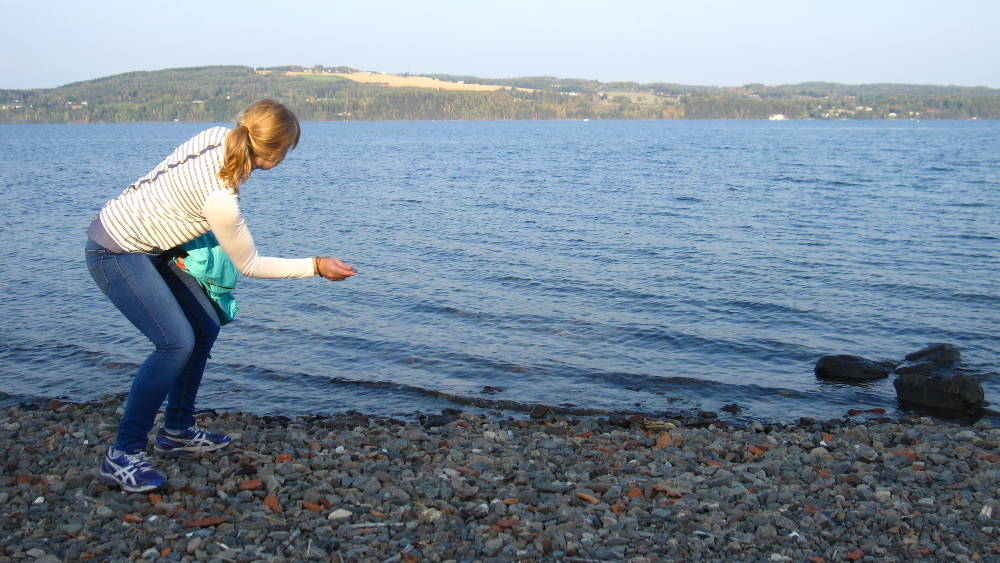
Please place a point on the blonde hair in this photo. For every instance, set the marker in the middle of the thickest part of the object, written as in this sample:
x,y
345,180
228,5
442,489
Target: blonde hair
x,y
267,129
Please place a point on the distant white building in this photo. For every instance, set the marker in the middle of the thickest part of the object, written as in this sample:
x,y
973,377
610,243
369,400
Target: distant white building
x,y
777,117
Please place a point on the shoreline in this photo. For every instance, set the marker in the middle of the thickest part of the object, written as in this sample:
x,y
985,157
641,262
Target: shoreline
x,y
466,487
730,415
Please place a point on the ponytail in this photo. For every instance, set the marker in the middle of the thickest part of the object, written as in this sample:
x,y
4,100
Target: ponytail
x,y
238,162
267,129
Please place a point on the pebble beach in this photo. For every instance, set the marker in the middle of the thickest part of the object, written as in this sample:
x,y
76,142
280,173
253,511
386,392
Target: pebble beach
x,y
491,487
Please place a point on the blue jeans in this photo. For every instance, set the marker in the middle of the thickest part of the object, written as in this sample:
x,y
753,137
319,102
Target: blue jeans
x,y
168,306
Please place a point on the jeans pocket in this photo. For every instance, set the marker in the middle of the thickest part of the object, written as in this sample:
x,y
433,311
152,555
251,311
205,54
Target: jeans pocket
x,y
95,264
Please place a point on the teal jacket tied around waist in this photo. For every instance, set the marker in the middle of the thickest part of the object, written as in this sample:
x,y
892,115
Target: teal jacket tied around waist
x,y
214,271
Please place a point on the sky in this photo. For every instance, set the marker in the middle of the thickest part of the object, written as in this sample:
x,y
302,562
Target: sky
x,y
695,42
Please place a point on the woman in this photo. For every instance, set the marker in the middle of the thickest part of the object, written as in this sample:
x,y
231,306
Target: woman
x,y
192,192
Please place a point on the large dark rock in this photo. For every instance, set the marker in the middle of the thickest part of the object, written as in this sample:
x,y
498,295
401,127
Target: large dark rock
x,y
940,355
919,368
928,360
852,368
959,393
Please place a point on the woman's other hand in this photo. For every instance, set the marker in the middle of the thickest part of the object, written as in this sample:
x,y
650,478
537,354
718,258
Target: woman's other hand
x,y
333,269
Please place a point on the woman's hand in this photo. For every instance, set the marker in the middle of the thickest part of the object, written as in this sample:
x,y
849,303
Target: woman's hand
x,y
333,269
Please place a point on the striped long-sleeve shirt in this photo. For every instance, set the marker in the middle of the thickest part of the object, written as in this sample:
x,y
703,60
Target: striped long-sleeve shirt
x,y
182,199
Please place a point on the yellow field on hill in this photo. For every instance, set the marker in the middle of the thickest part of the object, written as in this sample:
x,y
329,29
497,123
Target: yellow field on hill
x,y
397,81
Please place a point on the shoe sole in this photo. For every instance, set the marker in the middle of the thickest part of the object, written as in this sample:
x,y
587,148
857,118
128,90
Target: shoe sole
x,y
111,481
177,452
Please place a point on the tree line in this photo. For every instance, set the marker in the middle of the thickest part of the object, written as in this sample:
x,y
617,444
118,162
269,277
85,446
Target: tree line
x,y
218,93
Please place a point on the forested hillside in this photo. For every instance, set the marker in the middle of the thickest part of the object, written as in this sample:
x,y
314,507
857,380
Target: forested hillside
x,y
217,93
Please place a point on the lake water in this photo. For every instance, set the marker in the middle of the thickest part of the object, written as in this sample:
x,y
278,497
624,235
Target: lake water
x,y
659,267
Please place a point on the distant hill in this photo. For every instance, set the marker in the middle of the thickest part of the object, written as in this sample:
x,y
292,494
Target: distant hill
x,y
395,80
218,93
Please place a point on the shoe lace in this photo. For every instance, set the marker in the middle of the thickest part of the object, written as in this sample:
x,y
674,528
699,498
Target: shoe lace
x,y
138,460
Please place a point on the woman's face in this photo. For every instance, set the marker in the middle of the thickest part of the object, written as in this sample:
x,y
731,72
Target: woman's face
x,y
266,163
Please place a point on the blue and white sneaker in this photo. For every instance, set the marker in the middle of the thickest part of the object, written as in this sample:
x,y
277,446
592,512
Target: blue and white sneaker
x,y
130,471
194,440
